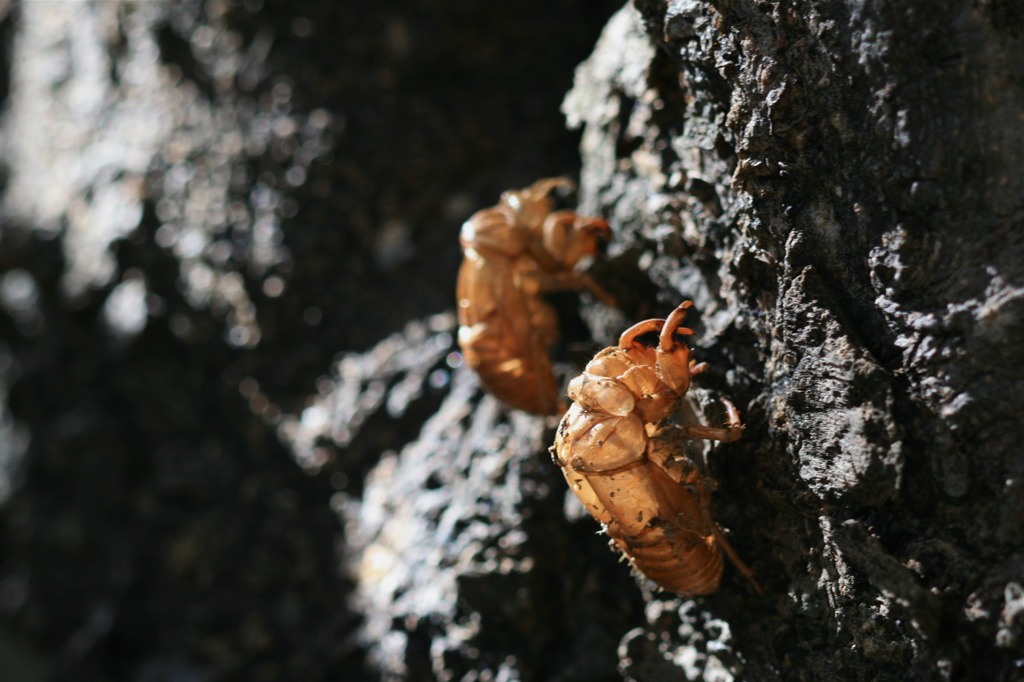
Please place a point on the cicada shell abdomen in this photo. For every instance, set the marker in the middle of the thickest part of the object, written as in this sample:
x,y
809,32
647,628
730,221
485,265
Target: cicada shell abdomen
x,y
502,335
658,524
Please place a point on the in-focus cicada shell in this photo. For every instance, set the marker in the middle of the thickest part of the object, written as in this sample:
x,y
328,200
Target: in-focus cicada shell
x,y
612,451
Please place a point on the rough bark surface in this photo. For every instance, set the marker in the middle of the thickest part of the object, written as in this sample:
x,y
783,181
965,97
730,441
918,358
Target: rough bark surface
x,y
832,184
236,440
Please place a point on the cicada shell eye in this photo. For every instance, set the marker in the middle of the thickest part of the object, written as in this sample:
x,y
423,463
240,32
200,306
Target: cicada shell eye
x,y
576,387
612,362
602,393
512,200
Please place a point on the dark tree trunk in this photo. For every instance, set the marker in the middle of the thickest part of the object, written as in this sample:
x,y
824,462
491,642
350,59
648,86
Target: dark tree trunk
x,y
235,437
835,187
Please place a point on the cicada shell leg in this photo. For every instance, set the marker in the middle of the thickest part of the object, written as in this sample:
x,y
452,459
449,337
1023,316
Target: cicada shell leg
x,y
704,498
729,434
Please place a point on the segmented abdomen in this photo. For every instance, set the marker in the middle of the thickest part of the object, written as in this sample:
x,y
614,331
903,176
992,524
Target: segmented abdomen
x,y
675,558
659,524
499,341
527,385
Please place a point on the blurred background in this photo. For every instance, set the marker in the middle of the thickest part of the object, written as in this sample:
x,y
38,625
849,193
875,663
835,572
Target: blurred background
x,y
228,249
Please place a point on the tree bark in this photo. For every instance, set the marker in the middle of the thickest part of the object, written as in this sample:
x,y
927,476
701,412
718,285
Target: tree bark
x,y
834,187
236,439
